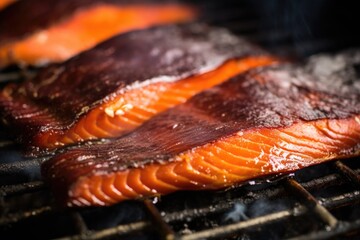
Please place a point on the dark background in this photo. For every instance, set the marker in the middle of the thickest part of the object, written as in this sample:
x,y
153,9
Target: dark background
x,y
300,27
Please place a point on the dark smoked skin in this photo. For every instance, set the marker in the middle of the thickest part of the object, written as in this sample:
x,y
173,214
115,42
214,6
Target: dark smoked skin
x,y
25,17
61,93
271,97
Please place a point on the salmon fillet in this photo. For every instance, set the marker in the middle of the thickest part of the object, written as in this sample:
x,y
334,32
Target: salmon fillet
x,y
36,32
5,3
115,87
266,121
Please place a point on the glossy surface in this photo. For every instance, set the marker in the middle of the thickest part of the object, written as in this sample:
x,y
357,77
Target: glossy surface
x,y
91,93
129,110
58,30
224,163
266,121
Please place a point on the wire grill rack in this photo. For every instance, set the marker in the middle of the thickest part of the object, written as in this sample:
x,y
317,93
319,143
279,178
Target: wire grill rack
x,y
304,205
319,202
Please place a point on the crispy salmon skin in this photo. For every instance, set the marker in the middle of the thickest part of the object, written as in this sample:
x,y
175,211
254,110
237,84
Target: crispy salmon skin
x,y
112,89
36,32
265,121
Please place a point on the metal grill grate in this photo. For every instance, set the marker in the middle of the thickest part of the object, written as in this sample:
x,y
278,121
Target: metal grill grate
x,y
319,202
294,200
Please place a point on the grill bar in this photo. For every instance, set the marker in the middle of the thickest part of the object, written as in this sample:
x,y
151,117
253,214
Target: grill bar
x,y
17,168
341,200
240,18
342,229
234,228
164,229
195,213
268,193
347,172
22,188
310,200
338,227
115,231
80,224
15,217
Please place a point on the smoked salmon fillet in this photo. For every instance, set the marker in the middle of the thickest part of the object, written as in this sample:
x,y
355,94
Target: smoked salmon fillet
x,y
37,32
110,90
265,121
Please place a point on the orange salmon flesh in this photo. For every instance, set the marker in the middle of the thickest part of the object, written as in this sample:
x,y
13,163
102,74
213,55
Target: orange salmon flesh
x,y
220,164
129,110
85,29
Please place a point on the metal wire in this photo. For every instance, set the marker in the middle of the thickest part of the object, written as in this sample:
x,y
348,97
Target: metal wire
x,y
347,172
17,168
308,203
236,227
21,188
165,230
15,217
313,203
115,231
163,220
341,229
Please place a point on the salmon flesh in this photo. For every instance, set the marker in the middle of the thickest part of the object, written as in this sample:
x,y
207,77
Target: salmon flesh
x,y
113,88
268,120
36,32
